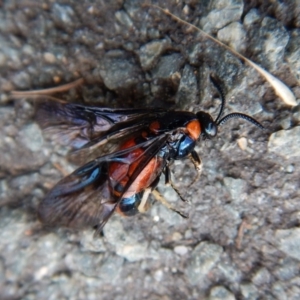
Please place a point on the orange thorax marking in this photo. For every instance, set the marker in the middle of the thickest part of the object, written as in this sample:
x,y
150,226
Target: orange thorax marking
x,y
194,129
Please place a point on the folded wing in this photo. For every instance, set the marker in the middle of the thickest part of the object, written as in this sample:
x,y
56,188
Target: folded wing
x,y
84,198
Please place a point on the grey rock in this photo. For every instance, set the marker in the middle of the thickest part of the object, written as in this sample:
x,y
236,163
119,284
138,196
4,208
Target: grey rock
x,y
297,115
31,136
233,35
278,291
236,187
111,269
285,123
288,241
21,80
124,19
251,17
23,185
258,179
2,59
293,292
220,292
167,66
40,260
285,142
11,55
2,269
54,42
23,158
90,243
292,53
194,52
229,271
164,214
18,146
286,270
223,14
88,264
118,71
4,191
166,75
269,41
158,275
249,291
203,259
63,13
188,87
290,169
129,245
275,43
262,276
150,52
181,250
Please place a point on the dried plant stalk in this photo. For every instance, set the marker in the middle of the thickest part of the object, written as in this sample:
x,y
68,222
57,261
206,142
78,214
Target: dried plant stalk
x,y
281,90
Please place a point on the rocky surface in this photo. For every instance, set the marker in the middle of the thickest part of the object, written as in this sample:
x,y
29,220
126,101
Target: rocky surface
x,y
241,240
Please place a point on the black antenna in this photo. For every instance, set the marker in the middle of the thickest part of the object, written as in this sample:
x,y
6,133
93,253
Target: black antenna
x,y
241,116
222,96
232,115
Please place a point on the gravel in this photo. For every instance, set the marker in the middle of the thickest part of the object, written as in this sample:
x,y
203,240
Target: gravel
x,y
241,240
285,142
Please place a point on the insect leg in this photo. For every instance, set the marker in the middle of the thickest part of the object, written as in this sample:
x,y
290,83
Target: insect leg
x,y
169,182
165,203
195,159
145,205
167,176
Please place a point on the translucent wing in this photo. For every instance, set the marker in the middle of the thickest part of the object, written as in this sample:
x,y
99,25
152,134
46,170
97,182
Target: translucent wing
x,y
80,126
84,197
79,199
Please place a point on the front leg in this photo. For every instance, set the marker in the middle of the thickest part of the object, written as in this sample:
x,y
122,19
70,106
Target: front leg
x,y
195,159
169,182
145,204
165,203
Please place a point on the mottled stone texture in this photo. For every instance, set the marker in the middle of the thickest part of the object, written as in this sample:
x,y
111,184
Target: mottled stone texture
x,y
241,240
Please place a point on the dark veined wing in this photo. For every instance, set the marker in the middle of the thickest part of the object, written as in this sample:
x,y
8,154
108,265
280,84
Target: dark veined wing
x,y
80,126
83,198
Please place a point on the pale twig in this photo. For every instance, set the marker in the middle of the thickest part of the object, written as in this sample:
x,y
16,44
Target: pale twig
x,y
279,87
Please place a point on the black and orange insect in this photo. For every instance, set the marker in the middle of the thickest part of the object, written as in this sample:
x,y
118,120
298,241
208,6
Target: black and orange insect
x,y
121,181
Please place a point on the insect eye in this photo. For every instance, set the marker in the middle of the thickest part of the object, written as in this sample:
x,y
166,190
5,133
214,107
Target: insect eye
x,y
208,126
210,129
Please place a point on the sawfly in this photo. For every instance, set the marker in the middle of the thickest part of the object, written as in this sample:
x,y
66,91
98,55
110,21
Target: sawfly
x,y
149,140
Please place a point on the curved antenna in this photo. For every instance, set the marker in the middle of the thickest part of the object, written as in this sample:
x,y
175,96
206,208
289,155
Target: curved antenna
x,y
219,121
241,116
222,96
